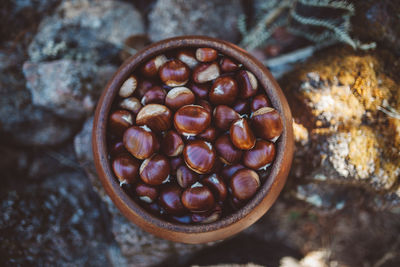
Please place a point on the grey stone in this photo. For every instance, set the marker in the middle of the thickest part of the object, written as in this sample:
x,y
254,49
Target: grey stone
x,y
68,88
86,30
218,19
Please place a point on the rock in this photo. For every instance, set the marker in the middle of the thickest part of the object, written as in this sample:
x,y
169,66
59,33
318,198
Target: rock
x,y
86,30
218,19
59,221
68,88
138,248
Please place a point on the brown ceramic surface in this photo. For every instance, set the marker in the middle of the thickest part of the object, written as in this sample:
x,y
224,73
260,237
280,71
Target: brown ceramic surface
x,y
226,226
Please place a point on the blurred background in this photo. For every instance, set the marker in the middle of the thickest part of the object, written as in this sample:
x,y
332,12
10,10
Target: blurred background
x,y
337,63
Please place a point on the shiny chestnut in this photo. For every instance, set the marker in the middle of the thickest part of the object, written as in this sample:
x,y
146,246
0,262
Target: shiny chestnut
x,y
199,156
170,199
132,104
191,119
125,168
205,104
128,87
155,170
227,152
224,116
171,144
208,135
206,72
174,163
179,97
217,186
229,170
119,121
200,90
247,83
188,57
206,54
150,68
208,217
228,65
223,91
267,123
141,142
259,101
244,184
241,106
260,156
155,95
241,134
198,198
146,193
174,73
155,116
185,177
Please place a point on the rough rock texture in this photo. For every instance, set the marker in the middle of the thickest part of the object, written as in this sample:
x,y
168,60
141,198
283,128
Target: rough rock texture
x,y
180,17
138,247
73,89
86,30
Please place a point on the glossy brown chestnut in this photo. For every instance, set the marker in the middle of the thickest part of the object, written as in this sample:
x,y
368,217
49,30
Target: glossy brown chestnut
x,y
227,65
155,116
188,57
125,168
260,156
174,73
150,68
247,83
227,152
143,87
259,101
140,142
175,163
199,156
217,186
229,170
206,54
267,123
205,104
146,193
191,119
185,176
170,199
224,116
171,144
179,97
206,72
155,170
198,198
119,121
208,217
241,106
132,104
244,184
208,135
241,134
155,95
223,91
200,90
128,87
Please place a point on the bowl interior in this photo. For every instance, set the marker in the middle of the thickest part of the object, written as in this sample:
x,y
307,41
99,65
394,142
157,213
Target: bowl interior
x,y
284,149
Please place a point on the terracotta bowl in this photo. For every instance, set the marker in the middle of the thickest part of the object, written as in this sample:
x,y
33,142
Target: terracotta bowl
x,y
226,226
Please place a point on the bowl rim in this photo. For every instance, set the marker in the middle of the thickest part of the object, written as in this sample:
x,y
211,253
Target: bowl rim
x,y
232,223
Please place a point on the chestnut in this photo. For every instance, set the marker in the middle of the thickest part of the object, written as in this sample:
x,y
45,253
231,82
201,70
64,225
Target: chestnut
x,y
174,73
199,156
155,95
259,101
174,163
117,148
217,186
146,193
170,199
141,142
155,116
188,57
229,170
247,83
228,65
206,72
205,104
241,106
224,116
150,68
206,54
260,156
191,119
132,104
241,134
155,170
267,123
244,184
208,135
227,152
185,176
198,198
200,90
223,91
128,87
208,217
143,87
178,97
119,121
171,144
125,168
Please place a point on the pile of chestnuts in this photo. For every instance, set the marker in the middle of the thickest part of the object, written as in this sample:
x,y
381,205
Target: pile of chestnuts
x,y
191,135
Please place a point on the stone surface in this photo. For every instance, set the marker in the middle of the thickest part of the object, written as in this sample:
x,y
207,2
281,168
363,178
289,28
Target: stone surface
x,y
137,247
73,89
218,19
86,30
